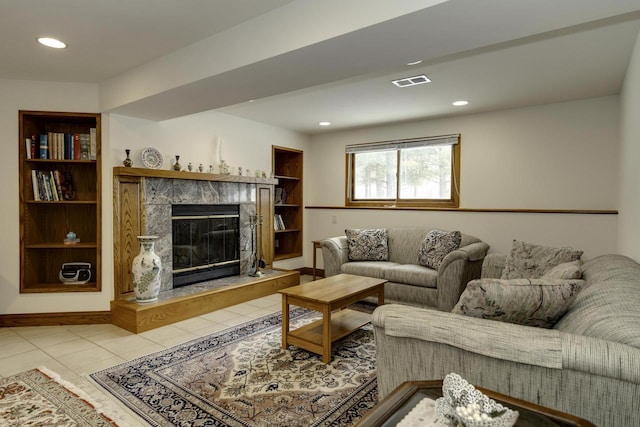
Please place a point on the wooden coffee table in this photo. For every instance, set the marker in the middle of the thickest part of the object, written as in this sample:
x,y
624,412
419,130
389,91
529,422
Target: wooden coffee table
x,y
326,296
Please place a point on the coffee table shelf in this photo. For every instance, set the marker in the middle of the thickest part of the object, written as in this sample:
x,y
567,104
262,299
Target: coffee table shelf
x,y
343,323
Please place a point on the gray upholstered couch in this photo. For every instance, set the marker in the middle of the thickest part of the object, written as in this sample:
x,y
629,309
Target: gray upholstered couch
x,y
587,365
411,283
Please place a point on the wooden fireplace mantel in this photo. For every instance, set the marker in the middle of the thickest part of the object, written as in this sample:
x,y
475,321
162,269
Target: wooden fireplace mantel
x,y
199,176
129,218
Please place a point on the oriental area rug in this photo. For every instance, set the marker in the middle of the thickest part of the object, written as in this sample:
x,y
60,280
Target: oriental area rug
x,y
242,377
39,397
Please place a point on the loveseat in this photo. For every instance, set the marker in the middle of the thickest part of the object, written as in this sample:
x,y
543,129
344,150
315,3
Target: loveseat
x,y
587,364
409,282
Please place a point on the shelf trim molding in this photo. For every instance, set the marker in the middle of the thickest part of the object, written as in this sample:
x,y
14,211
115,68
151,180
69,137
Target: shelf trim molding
x,y
197,176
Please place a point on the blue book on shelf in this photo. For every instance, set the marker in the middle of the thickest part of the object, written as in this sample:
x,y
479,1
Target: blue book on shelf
x,y
44,146
68,146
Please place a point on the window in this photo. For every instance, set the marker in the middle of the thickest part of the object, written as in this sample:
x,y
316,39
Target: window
x,y
420,172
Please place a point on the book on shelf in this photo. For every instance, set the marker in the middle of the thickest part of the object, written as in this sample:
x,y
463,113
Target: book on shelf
x,y
93,143
85,146
280,196
278,223
44,146
76,146
34,182
57,191
27,148
52,186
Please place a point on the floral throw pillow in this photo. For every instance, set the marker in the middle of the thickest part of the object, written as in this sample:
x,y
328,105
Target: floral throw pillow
x,y
566,270
531,261
437,245
530,302
367,244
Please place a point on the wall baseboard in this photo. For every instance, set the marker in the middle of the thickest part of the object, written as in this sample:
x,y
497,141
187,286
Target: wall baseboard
x,y
53,319
309,271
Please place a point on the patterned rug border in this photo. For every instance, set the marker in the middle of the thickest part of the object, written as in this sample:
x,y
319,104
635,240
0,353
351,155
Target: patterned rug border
x,y
366,393
68,399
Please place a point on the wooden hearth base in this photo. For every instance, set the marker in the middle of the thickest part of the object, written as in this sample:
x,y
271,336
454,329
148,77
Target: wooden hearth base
x,y
134,317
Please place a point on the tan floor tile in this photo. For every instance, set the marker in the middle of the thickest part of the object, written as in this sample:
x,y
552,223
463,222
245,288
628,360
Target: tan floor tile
x,y
141,351
97,365
122,345
55,337
31,332
16,347
194,324
82,358
69,347
219,316
88,331
24,362
162,334
242,309
211,329
179,339
106,336
235,321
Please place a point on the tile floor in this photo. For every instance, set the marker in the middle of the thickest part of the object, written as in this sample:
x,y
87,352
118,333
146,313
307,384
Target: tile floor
x,y
75,351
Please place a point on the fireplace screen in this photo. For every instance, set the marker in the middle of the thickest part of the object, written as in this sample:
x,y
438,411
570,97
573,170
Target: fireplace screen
x,y
205,242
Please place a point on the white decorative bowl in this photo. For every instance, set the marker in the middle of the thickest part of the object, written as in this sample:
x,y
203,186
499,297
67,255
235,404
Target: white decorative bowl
x,y
462,404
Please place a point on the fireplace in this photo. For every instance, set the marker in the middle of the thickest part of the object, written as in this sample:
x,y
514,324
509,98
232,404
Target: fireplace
x,y
205,242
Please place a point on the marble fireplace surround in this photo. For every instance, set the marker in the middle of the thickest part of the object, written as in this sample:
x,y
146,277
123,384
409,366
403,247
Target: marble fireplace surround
x,y
161,189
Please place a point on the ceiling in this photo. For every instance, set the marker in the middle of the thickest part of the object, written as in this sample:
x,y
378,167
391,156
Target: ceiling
x,y
508,59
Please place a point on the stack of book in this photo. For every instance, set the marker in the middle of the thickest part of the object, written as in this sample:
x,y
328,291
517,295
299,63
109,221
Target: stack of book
x,y
52,186
62,146
278,223
280,196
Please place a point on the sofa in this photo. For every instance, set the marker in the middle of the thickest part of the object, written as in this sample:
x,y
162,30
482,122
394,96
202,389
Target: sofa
x,y
587,364
409,282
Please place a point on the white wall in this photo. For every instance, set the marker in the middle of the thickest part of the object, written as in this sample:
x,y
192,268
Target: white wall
x,y
629,196
557,156
29,95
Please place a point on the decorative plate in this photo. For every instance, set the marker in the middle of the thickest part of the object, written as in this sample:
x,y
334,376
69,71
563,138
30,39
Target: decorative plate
x,y
151,158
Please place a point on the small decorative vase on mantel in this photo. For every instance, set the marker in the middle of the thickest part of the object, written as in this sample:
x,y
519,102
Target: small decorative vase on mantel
x,y
127,162
145,271
176,165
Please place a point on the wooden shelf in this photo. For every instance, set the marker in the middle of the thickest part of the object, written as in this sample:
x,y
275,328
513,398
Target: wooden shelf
x,y
61,246
287,167
44,223
343,323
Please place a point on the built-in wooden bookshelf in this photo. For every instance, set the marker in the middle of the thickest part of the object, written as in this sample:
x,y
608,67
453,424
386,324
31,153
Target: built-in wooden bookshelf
x,y
288,203
45,223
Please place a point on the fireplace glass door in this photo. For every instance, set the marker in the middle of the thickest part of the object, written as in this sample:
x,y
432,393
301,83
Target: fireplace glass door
x,y
205,242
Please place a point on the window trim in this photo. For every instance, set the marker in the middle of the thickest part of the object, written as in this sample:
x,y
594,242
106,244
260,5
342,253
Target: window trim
x,y
452,202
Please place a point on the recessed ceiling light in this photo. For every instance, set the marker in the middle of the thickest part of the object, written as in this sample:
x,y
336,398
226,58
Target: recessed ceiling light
x,y
411,81
460,103
54,43
324,123
419,61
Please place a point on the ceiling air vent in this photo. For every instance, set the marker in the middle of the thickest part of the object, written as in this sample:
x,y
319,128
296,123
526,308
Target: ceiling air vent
x,y
411,81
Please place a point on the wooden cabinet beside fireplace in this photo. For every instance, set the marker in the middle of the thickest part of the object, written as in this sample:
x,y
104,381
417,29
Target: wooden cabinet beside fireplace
x,y
45,221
